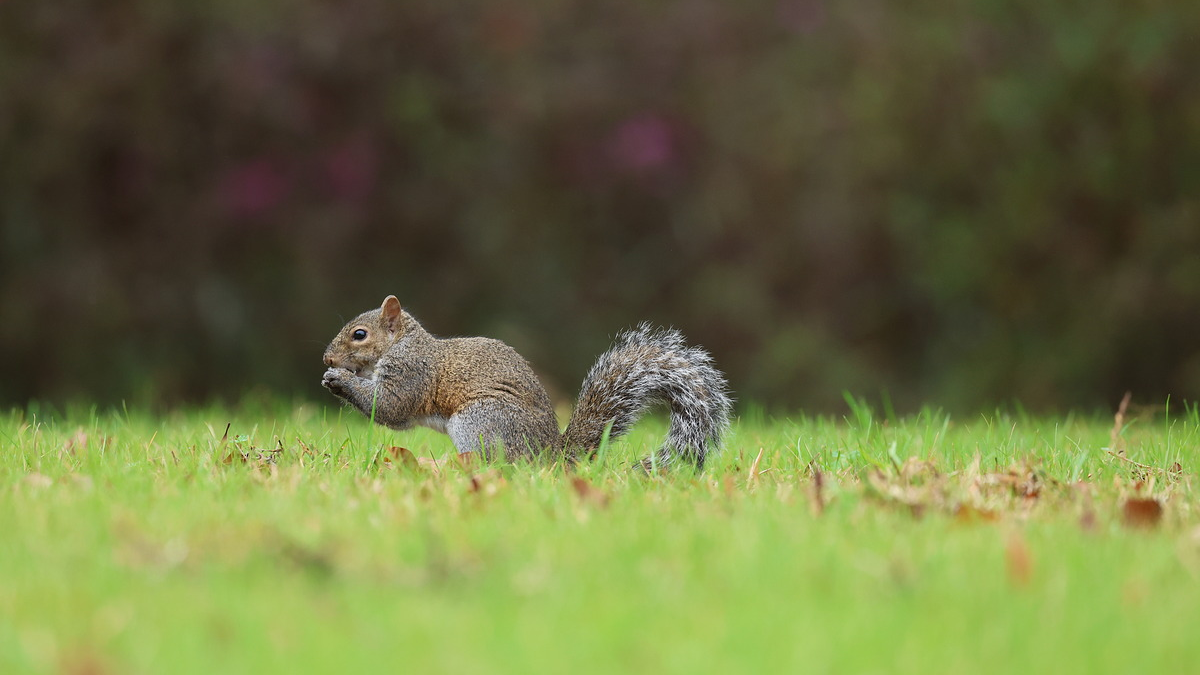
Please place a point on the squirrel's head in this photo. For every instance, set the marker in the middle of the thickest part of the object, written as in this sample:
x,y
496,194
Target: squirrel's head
x,y
361,343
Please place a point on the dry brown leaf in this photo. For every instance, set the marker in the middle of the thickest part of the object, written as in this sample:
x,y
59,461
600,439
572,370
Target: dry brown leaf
x,y
238,455
1193,536
918,470
1026,481
430,464
77,441
915,498
879,482
397,457
1022,479
38,480
469,460
1087,521
818,485
966,513
1141,512
1018,561
488,483
403,456
84,662
588,492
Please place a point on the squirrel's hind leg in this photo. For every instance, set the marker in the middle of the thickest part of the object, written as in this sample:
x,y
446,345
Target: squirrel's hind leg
x,y
487,426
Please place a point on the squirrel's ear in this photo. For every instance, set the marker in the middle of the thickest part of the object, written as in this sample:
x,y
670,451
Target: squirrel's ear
x,y
391,312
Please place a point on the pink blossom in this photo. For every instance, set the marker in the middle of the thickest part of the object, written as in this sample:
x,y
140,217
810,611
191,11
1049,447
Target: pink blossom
x,y
643,143
350,170
253,189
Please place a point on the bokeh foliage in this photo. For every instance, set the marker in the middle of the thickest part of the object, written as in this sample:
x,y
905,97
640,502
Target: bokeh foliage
x,y
961,203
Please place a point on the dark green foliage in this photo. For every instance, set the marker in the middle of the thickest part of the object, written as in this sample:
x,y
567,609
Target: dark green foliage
x,y
954,202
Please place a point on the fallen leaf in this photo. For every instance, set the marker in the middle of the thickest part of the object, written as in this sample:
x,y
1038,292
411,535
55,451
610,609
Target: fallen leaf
x,y
403,456
38,480
394,457
1018,561
1022,479
430,464
77,441
84,662
588,492
1087,521
486,483
229,459
918,470
469,460
1194,536
1027,483
879,482
1142,512
818,487
966,513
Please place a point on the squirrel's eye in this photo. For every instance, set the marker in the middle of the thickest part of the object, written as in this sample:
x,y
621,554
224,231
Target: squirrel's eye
x,y
359,335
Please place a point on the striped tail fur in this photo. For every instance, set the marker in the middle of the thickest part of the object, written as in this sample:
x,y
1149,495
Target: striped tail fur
x,y
646,367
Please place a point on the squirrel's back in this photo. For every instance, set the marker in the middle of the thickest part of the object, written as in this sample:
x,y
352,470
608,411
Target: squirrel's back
x,y
473,368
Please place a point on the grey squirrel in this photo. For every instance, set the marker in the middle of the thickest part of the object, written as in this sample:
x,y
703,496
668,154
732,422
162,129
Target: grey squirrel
x,y
485,396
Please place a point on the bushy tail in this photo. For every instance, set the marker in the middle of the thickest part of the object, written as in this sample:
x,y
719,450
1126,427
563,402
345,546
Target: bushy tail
x,y
643,368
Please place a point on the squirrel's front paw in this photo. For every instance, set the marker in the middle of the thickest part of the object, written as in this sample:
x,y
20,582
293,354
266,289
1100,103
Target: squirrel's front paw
x,y
337,380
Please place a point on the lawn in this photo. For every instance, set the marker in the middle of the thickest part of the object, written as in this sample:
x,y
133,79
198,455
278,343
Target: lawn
x,y
276,538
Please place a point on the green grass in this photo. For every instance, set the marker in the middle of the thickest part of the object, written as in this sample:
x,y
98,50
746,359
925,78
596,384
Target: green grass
x,y
299,543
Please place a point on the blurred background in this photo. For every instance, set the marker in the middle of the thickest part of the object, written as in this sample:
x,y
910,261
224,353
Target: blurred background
x,y
961,204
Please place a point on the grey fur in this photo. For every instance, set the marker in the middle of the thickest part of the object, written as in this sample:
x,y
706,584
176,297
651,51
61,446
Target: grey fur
x,y
485,395
646,367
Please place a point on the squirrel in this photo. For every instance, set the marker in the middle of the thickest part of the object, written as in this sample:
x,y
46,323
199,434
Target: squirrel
x,y
485,396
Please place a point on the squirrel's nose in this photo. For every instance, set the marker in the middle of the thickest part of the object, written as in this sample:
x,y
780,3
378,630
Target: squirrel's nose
x,y
329,360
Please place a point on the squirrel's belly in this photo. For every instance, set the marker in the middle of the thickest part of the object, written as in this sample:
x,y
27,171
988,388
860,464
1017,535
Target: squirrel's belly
x,y
435,422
